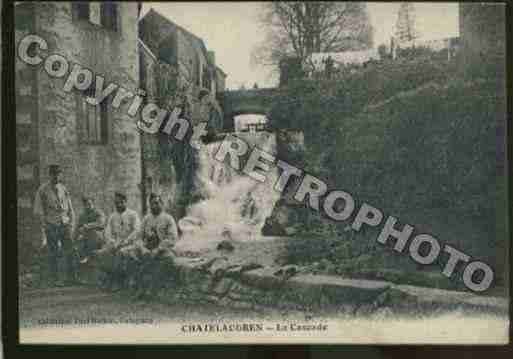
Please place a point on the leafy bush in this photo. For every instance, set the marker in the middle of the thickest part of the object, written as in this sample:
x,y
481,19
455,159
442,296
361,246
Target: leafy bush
x,y
415,52
309,103
427,155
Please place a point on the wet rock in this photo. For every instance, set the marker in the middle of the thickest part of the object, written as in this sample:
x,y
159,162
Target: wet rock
x,y
223,286
250,266
227,234
273,228
233,271
262,279
286,271
225,245
324,264
240,289
212,299
206,267
219,267
225,302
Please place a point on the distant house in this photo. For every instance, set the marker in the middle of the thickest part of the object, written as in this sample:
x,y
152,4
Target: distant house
x,y
99,147
316,61
180,48
448,45
251,123
440,44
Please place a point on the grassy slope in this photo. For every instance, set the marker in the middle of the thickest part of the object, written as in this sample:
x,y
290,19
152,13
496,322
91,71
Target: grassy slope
x,y
422,148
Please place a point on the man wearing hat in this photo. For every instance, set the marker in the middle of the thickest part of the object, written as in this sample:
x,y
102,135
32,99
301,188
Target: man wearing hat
x,y
121,230
54,208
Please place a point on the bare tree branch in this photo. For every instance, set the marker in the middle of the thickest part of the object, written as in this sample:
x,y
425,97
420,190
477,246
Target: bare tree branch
x,y
299,28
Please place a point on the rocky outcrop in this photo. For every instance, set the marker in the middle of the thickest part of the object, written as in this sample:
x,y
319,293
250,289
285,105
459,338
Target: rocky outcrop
x,y
220,281
251,276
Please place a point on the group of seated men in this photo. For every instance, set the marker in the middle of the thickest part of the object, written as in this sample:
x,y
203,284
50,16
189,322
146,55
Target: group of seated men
x,y
130,254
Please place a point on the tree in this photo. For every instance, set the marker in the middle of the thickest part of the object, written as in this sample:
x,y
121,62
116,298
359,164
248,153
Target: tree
x,y
405,26
300,28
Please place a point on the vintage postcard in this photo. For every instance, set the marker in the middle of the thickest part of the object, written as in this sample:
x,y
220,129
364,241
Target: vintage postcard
x,y
245,172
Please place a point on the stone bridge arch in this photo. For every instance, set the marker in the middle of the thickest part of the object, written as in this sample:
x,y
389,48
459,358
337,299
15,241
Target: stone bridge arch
x,y
244,102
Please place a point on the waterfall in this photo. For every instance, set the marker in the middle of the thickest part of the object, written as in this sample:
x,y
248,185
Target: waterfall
x,y
236,205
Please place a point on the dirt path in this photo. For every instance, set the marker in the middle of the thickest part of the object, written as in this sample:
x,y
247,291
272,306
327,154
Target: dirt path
x,y
83,302
111,311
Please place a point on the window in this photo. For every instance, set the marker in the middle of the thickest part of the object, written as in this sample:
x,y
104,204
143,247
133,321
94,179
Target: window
x,y
103,14
82,10
206,78
94,119
109,16
198,74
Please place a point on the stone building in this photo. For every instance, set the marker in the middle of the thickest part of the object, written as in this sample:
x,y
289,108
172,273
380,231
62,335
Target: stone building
x,y
98,147
316,62
185,52
220,80
219,76
176,70
482,28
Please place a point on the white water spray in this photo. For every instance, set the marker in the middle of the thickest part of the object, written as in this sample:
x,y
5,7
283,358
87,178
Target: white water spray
x,y
236,205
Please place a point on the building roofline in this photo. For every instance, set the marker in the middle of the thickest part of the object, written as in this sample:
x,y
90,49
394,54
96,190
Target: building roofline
x,y
170,22
190,35
147,12
147,49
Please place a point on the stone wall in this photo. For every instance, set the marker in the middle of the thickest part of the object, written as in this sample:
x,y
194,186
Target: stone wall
x,y
220,80
251,277
97,168
27,142
159,80
482,29
178,47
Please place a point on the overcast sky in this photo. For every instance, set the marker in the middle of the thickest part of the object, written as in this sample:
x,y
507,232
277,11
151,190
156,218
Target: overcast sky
x,y
231,30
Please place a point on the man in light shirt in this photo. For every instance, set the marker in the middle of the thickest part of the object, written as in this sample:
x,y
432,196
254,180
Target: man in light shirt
x,y
53,206
121,231
152,254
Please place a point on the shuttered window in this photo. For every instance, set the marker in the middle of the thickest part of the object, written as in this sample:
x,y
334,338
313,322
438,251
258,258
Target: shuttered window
x,y
82,10
101,14
109,16
94,120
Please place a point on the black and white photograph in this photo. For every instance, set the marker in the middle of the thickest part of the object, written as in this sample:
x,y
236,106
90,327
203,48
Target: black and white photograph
x,y
285,172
